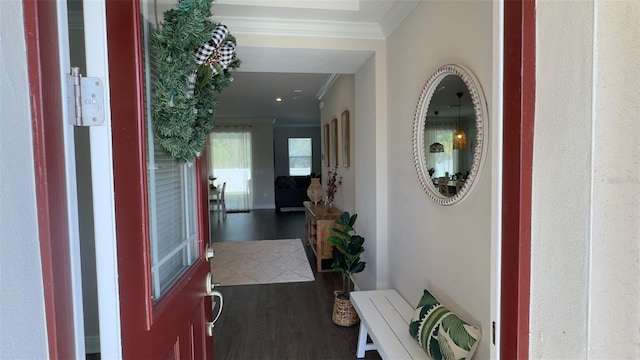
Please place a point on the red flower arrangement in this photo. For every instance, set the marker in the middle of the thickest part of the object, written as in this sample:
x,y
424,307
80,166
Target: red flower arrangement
x,y
333,181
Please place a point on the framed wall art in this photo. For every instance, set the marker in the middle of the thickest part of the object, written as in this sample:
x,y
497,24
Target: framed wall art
x,y
327,146
346,142
334,142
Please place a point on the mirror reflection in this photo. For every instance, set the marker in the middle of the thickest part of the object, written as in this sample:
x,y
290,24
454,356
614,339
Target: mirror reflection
x,y
449,130
449,134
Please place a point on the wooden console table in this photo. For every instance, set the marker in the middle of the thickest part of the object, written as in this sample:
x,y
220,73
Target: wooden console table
x,y
319,220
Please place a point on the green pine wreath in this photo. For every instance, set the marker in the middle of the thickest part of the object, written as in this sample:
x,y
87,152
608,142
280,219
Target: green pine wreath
x,y
183,116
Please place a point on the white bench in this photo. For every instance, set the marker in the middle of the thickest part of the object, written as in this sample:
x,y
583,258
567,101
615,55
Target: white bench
x,y
385,316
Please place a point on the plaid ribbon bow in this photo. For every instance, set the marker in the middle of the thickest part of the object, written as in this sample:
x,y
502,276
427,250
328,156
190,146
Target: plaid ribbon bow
x,y
222,56
205,50
212,53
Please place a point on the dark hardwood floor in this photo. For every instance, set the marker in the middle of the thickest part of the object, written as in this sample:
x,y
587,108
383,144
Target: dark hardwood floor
x,y
258,225
279,321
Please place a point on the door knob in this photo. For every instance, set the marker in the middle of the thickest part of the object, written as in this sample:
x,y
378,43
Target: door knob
x,y
209,284
209,252
213,306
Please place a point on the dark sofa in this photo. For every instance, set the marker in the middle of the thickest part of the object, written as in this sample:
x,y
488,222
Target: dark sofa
x,y
291,191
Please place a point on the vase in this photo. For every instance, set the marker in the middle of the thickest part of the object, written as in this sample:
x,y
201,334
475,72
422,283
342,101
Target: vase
x,y
328,202
315,191
344,314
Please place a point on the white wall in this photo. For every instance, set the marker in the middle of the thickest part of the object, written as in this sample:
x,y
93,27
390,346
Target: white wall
x,y
586,201
262,163
444,249
338,99
615,234
23,334
363,94
364,162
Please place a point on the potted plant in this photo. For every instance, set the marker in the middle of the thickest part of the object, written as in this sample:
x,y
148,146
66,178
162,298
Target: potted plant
x,y
346,249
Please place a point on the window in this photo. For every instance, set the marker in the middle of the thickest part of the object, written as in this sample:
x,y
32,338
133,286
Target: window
x,y
299,156
172,218
447,161
171,187
230,156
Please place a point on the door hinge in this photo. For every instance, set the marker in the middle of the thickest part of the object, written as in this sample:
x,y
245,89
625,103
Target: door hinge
x,y
85,99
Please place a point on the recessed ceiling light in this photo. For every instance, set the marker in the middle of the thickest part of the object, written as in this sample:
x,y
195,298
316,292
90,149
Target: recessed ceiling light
x,y
297,91
278,99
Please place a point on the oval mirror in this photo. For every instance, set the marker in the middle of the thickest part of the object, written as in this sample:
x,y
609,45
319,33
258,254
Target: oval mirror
x,y
450,134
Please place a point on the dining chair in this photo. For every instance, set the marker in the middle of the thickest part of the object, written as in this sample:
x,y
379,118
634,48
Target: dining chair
x,y
218,202
443,185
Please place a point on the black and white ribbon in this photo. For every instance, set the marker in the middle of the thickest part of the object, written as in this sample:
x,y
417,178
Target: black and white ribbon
x,y
213,53
205,50
222,57
191,82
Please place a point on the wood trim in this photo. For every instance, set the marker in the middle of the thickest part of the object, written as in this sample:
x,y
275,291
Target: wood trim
x,y
204,229
128,136
519,116
41,29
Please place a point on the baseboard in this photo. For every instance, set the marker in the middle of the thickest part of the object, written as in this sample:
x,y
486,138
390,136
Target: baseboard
x,y
292,208
264,207
355,285
92,344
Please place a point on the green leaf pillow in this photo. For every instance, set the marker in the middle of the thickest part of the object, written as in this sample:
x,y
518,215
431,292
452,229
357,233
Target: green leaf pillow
x,y
442,333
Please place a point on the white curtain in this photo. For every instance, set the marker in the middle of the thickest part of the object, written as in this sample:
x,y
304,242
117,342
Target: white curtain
x,y
230,157
446,161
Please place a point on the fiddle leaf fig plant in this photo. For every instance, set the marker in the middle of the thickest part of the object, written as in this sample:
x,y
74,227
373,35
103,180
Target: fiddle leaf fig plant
x,y
346,249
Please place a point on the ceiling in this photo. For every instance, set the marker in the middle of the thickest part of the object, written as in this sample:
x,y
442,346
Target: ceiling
x,y
446,102
298,76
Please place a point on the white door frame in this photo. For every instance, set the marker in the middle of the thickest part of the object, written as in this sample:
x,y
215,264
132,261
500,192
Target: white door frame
x,y
95,25
102,183
71,184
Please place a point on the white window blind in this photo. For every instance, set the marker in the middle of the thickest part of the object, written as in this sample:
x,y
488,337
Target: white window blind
x,y
172,220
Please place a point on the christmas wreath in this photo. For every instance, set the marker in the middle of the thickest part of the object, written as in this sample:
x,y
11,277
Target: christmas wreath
x,y
193,55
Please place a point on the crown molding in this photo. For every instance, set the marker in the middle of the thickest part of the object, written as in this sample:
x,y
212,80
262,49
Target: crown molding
x,y
326,86
398,12
242,120
344,5
294,27
296,124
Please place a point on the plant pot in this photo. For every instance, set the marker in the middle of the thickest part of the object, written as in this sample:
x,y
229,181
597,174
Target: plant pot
x,y
343,312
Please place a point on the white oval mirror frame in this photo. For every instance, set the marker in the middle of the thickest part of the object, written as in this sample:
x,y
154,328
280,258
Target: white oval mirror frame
x,y
479,142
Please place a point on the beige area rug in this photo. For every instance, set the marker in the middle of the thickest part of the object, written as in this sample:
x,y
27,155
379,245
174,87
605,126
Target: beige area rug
x,y
260,262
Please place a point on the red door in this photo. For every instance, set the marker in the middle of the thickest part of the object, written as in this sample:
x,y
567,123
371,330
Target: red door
x,y
172,325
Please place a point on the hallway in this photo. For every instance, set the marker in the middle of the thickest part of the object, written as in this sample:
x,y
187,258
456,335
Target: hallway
x,y
279,321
